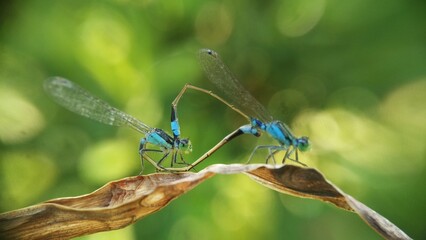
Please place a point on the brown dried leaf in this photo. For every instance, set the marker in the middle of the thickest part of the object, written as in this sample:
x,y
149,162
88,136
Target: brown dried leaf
x,y
309,183
122,202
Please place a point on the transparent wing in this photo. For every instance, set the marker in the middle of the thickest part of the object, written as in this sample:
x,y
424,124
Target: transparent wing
x,y
76,99
220,75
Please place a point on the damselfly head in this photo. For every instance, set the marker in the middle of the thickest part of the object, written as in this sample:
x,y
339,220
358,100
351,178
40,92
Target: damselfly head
x,y
303,144
185,145
209,52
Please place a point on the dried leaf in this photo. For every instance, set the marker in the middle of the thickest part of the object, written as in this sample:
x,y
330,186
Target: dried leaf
x,y
120,203
309,183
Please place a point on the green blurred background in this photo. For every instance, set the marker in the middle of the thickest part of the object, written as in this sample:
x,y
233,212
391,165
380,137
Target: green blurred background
x,y
350,75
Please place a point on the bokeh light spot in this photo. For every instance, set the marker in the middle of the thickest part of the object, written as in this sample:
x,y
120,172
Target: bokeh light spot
x,y
342,135
405,108
213,24
24,176
107,160
297,17
105,37
105,45
325,132
20,120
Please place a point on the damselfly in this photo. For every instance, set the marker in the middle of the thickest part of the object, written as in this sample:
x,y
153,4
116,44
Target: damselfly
x,y
76,99
241,101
